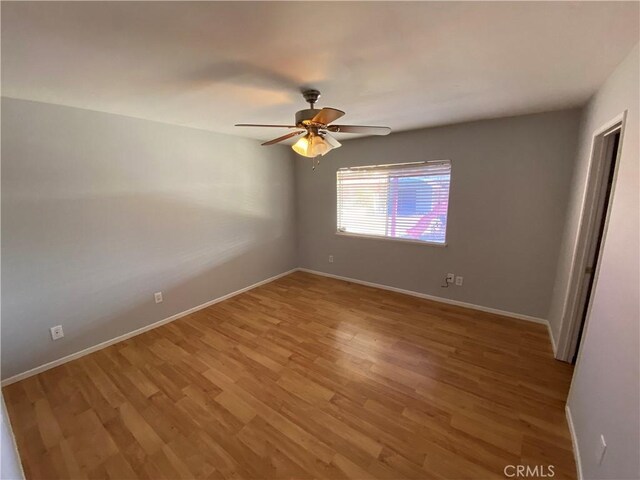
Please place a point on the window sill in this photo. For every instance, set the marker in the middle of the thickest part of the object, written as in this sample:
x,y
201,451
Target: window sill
x,y
389,239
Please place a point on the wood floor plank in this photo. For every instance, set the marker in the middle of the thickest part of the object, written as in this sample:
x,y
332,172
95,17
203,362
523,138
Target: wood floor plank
x,y
305,377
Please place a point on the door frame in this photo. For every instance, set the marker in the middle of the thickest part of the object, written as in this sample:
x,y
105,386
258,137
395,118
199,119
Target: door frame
x,y
587,229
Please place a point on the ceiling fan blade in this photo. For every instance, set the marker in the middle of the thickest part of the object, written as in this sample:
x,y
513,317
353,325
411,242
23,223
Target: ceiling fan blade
x,y
327,115
284,137
261,125
331,141
367,130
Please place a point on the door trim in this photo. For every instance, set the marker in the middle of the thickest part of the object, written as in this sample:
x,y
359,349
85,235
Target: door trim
x,y
571,318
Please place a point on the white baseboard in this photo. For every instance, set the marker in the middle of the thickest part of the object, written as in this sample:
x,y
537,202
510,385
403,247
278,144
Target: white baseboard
x,y
99,346
574,441
553,340
505,313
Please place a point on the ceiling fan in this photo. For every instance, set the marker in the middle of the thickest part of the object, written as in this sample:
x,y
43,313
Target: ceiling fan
x,y
316,125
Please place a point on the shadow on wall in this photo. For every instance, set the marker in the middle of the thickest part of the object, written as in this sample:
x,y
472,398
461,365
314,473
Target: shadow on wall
x,y
92,264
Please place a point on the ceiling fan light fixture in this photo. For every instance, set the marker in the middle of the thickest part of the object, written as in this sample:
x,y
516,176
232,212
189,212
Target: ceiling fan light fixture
x,y
311,146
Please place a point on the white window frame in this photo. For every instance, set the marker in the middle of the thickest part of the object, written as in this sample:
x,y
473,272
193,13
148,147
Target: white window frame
x,y
392,239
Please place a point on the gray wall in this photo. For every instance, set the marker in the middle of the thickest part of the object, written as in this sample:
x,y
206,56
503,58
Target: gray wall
x,y
509,191
100,211
605,393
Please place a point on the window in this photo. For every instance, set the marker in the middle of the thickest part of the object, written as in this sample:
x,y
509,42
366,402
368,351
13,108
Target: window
x,y
403,201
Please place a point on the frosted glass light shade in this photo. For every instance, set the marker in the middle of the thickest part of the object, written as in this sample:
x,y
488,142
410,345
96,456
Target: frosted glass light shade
x,y
311,146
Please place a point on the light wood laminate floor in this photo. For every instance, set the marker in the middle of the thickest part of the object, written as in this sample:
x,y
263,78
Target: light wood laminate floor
x,y
305,377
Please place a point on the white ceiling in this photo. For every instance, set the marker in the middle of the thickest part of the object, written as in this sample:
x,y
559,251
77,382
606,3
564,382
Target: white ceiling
x,y
405,65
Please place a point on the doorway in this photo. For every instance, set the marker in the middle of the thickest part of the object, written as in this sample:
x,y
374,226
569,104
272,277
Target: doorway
x,y
593,253
600,186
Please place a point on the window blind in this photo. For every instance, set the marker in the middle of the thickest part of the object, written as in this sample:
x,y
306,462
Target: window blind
x,y
402,201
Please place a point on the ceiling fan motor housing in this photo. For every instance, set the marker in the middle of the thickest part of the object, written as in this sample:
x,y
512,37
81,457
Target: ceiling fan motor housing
x,y
306,114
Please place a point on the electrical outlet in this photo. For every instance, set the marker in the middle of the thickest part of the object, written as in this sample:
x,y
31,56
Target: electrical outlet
x,y
330,258
450,277
459,281
158,297
56,332
602,449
